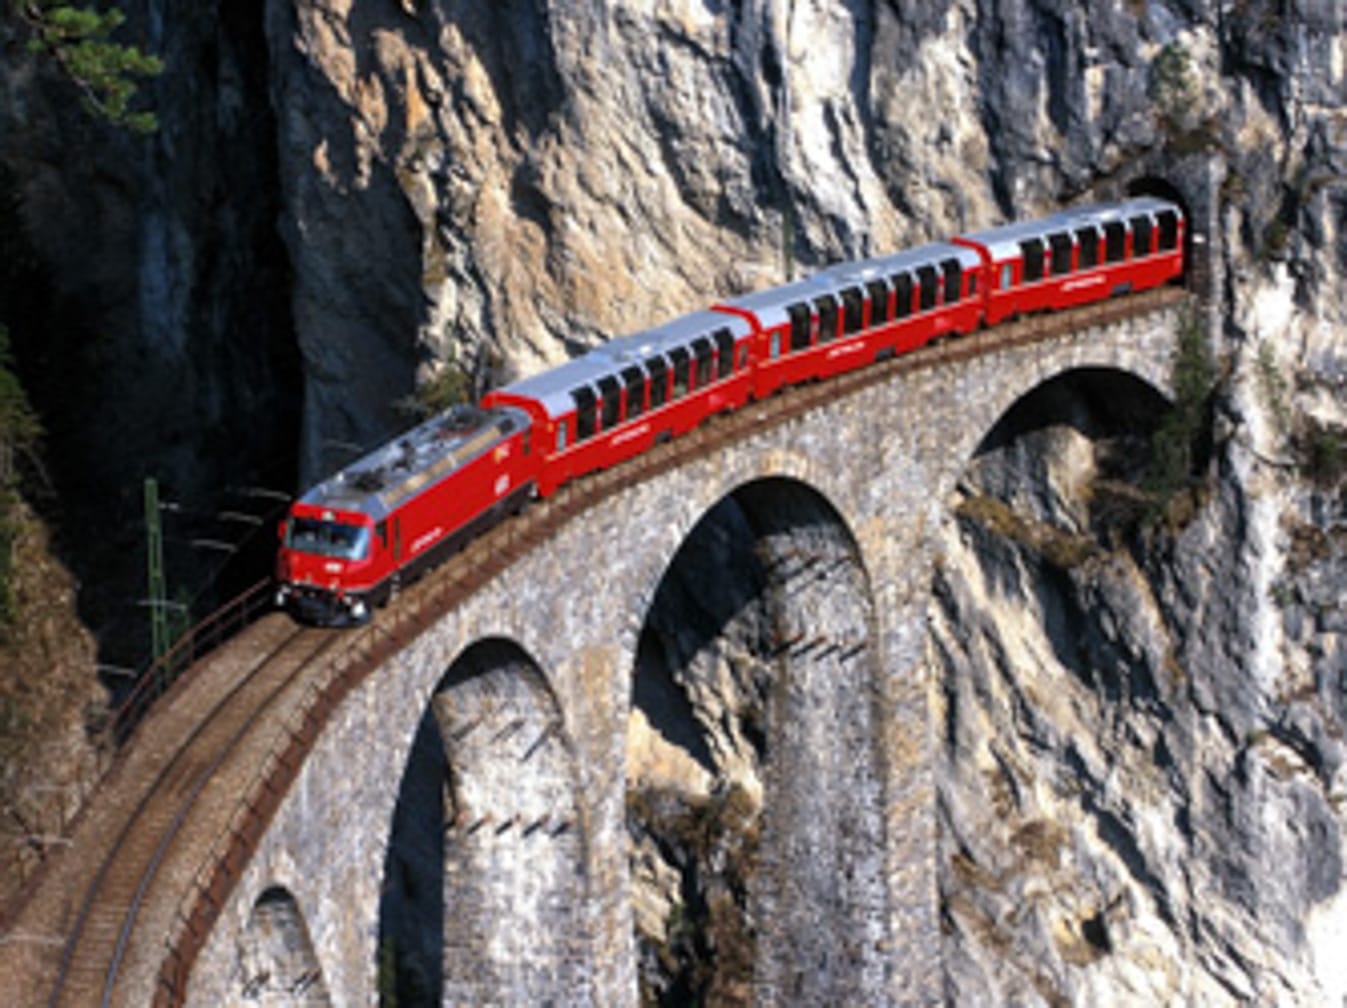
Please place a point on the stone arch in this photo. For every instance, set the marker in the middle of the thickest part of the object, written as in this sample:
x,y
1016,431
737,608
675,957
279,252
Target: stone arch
x,y
485,879
1103,417
1094,400
277,964
754,761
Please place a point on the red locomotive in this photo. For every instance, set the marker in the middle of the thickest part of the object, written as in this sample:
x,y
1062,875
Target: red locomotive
x,y
348,542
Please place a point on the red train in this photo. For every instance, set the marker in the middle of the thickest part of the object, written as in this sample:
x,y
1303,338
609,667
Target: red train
x,y
349,541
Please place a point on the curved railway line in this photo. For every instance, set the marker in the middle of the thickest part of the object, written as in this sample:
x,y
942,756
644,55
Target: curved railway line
x,y
98,939
163,840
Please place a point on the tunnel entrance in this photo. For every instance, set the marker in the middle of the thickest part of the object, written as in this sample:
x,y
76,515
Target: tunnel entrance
x,y
754,768
1197,273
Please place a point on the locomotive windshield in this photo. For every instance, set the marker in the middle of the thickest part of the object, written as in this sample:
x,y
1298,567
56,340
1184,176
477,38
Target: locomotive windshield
x,y
333,539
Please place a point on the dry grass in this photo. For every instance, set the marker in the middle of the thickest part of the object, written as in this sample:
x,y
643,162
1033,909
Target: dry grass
x,y
1058,547
52,707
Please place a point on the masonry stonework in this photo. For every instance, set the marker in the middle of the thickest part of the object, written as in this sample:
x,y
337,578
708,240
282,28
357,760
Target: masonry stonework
x,y
884,459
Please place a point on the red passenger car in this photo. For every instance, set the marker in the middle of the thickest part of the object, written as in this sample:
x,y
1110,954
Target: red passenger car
x,y
1079,255
852,315
618,400
349,541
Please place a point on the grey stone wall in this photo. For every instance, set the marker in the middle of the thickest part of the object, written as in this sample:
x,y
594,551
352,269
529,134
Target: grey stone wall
x,y
884,460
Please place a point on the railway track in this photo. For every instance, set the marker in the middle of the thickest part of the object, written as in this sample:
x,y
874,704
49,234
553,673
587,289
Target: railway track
x,y
208,767
181,762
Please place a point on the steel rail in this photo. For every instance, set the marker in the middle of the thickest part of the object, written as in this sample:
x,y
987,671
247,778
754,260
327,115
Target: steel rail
x,y
137,818
164,672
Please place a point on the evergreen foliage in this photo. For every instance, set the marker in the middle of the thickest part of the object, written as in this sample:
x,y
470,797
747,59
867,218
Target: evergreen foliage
x,y
1174,445
78,38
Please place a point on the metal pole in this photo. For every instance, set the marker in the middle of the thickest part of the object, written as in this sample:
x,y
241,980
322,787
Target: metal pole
x,y
154,555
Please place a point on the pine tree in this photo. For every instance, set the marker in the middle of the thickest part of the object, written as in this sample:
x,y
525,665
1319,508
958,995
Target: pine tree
x,y
78,38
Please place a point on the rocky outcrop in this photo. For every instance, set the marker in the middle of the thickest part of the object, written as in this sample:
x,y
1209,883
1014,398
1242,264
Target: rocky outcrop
x,y
53,714
1154,720
147,295
1140,765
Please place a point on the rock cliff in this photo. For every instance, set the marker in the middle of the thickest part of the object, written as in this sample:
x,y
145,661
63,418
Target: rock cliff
x,y
1139,725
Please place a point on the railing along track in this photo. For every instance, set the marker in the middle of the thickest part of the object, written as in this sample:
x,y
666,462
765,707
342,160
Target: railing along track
x,y
417,607
113,899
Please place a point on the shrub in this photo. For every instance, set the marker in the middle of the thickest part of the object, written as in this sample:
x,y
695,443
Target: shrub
x,y
1176,441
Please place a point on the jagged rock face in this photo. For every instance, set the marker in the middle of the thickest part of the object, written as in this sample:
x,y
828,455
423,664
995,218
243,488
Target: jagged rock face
x,y
498,187
1156,730
551,175
1140,776
147,295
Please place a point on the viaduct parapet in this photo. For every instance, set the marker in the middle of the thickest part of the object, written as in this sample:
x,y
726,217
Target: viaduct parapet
x,y
506,724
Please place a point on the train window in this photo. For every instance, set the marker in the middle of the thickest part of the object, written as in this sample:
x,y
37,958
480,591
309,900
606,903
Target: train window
x,y
879,301
853,310
611,395
585,403
800,320
743,356
1033,259
902,294
381,530
1088,240
659,380
634,380
775,349
953,279
561,436
1141,236
972,284
527,440
682,372
928,282
827,317
328,538
1169,230
1007,275
1060,243
724,352
1115,242
701,350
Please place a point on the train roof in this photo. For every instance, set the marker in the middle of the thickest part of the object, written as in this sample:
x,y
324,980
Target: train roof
x,y
393,473
552,388
1004,241
770,305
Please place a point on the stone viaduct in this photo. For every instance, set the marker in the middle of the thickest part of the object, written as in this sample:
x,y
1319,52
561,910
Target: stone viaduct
x,y
465,809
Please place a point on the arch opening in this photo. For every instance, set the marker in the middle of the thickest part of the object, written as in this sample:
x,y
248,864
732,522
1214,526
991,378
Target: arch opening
x,y
485,879
276,962
754,771
1102,422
